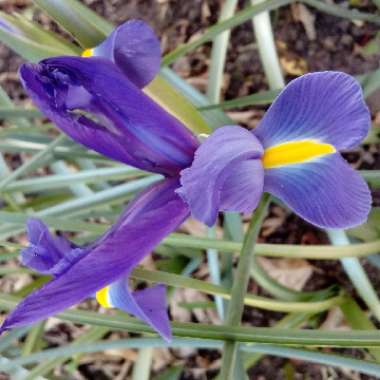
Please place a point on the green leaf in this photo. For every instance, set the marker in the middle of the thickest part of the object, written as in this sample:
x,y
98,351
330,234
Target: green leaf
x,y
36,32
258,99
216,29
180,281
359,320
313,356
365,338
176,104
215,118
28,47
251,11
64,180
18,112
84,25
172,373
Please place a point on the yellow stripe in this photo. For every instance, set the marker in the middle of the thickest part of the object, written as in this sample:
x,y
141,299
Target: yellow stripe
x,y
295,152
102,297
87,53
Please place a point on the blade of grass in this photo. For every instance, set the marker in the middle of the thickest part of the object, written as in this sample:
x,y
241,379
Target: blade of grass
x,y
267,48
17,372
257,99
100,199
221,27
251,11
62,180
179,240
356,273
315,338
214,118
175,280
213,264
218,54
141,369
358,320
35,162
313,356
84,25
32,339
18,112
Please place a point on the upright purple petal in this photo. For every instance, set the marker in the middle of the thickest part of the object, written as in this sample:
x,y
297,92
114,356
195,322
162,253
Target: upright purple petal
x,y
212,181
145,222
326,192
96,105
325,106
148,304
46,253
135,49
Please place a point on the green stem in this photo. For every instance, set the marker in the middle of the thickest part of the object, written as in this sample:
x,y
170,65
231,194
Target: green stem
x,y
236,305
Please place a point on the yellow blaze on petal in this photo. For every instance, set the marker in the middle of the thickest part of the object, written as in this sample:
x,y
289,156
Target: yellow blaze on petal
x,y
295,152
102,297
87,53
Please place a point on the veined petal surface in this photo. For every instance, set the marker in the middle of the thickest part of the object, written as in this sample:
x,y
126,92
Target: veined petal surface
x,y
158,210
46,253
135,49
96,105
215,179
327,107
326,192
148,304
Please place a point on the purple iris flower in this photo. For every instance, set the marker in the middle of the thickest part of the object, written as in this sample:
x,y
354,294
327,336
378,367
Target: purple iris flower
x,y
98,102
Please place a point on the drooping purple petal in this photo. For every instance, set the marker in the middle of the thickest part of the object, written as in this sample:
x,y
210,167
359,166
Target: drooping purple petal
x,y
148,304
243,187
325,106
147,220
135,49
96,105
326,192
48,254
204,184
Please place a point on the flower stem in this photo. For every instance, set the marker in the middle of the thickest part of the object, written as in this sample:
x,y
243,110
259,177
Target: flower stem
x,y
236,306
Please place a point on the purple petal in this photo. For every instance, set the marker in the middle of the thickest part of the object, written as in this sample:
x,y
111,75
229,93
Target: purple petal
x,y
46,253
326,192
135,49
148,305
96,105
145,222
243,187
325,106
205,185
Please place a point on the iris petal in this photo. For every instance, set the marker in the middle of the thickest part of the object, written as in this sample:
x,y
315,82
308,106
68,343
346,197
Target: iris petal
x,y
135,49
325,106
207,184
148,305
157,210
326,192
243,187
46,253
99,107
